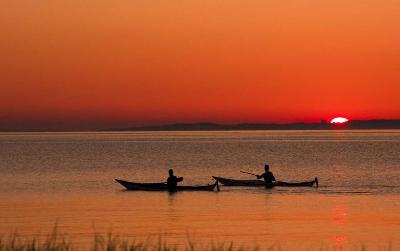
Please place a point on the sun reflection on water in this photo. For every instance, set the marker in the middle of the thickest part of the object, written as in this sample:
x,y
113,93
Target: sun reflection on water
x,y
339,218
339,215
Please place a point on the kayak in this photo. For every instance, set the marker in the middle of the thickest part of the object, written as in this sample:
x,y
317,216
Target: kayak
x,y
250,183
163,186
232,182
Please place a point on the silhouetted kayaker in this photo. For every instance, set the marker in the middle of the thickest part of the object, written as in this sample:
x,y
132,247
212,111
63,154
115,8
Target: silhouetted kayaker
x,y
267,175
172,180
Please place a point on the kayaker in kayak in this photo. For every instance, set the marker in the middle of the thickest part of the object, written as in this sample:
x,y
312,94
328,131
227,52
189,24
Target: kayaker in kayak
x,y
267,175
172,180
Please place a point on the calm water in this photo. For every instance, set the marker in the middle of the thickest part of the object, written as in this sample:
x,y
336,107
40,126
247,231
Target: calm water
x,y
68,178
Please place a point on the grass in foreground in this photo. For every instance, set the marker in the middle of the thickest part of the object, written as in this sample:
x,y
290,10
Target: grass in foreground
x,y
59,242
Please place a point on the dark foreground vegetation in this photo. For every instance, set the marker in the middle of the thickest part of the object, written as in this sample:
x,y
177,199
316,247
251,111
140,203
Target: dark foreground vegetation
x,y
60,242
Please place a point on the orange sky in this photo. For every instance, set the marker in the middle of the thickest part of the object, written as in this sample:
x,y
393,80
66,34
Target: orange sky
x,y
95,63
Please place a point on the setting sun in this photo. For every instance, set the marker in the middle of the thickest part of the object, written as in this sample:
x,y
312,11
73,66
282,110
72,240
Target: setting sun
x,y
339,120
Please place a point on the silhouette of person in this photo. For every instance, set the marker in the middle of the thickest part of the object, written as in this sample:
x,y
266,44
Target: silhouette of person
x,y
267,175
172,180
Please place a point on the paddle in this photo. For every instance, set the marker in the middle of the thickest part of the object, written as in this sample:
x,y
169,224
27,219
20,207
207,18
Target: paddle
x,y
249,173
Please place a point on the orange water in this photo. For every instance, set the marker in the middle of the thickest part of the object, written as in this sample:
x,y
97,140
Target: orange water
x,y
68,178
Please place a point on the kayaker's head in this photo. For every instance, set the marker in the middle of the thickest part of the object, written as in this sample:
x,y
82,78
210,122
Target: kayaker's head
x,y
266,167
171,172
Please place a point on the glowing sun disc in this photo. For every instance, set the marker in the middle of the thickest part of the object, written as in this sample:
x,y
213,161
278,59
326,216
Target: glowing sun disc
x,y
339,120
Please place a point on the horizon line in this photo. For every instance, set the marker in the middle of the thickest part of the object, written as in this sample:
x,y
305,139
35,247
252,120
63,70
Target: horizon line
x,y
370,124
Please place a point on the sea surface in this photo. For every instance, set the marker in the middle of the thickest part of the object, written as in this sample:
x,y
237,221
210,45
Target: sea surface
x,y
68,179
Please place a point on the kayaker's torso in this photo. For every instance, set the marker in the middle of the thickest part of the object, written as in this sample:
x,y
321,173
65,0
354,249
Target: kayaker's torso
x,y
268,177
172,181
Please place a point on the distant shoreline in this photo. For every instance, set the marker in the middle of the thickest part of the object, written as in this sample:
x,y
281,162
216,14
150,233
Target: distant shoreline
x,y
209,126
323,125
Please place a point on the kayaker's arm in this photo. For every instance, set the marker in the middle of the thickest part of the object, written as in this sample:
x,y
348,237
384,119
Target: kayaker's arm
x,y
260,176
179,179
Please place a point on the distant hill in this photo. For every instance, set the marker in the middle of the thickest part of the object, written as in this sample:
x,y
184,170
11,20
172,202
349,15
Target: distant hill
x,y
323,125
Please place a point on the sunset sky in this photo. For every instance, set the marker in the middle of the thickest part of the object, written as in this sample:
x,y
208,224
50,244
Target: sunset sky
x,y
100,63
